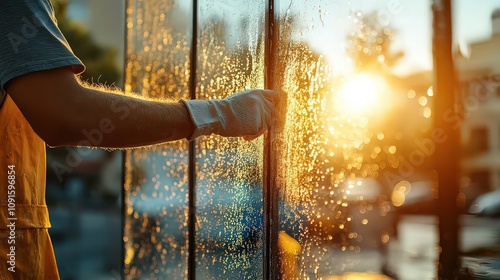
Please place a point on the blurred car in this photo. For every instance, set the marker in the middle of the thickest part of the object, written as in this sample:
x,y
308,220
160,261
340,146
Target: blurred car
x,y
487,205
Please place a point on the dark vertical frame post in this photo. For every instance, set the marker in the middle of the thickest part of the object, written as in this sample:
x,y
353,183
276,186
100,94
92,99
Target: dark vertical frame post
x,y
447,152
192,156
125,154
270,192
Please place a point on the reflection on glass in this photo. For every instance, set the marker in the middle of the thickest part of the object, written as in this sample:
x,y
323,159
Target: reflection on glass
x,y
156,182
229,170
353,153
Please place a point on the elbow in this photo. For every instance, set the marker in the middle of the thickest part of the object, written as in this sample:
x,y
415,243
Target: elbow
x,y
52,103
55,135
56,129
54,142
61,128
71,130
63,125
66,136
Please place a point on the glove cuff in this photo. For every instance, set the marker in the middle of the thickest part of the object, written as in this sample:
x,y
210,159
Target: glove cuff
x,y
204,115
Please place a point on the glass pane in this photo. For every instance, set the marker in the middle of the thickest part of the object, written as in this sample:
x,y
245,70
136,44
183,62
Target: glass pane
x,y
477,60
229,170
354,151
156,186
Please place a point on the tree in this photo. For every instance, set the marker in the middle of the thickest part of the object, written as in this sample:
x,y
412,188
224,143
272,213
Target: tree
x,y
369,44
99,60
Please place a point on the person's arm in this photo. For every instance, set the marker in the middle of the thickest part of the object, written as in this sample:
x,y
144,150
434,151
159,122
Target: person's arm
x,y
63,112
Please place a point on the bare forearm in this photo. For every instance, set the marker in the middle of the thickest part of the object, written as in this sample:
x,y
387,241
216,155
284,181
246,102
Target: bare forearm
x,y
105,119
63,112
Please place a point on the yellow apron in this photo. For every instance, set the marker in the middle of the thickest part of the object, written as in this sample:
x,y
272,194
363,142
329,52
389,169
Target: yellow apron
x,y
22,152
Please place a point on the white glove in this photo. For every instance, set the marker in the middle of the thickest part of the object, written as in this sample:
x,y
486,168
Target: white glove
x,y
249,114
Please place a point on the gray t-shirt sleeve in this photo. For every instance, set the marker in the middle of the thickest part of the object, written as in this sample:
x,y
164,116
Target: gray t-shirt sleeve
x,y
30,41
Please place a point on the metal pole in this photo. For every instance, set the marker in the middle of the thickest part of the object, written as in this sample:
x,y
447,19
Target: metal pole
x,y
271,215
448,151
192,150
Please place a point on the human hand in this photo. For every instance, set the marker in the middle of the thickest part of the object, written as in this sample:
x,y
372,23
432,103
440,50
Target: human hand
x,y
248,114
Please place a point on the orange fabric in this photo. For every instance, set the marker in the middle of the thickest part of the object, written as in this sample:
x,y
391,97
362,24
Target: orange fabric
x,y
22,148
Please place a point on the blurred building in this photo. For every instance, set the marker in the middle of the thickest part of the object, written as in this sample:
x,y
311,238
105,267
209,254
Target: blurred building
x,y
479,77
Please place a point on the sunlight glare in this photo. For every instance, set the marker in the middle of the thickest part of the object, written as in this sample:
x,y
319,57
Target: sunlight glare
x,y
361,94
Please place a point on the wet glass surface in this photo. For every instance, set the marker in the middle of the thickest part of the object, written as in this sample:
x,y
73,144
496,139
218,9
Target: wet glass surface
x,y
356,142
156,180
229,170
357,186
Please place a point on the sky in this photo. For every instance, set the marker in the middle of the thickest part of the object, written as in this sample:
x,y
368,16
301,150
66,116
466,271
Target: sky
x,y
472,19
411,21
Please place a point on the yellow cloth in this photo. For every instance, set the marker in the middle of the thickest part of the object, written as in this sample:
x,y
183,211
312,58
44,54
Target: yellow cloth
x,y
21,148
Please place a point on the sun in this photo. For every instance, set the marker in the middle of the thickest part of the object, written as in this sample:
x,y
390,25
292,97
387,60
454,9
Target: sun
x,y
361,94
